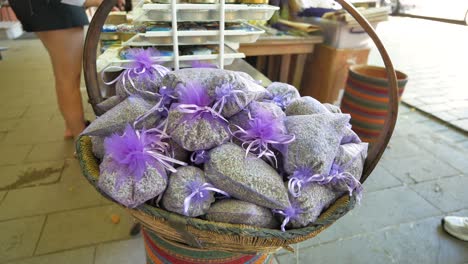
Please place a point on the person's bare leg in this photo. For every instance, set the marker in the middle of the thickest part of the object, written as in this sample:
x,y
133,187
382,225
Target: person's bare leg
x,y
65,48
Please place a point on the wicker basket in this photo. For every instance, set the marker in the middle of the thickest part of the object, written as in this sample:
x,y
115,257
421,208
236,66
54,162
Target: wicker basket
x,y
206,235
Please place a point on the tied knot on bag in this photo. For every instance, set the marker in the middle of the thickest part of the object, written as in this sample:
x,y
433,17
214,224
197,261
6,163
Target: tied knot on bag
x,y
225,93
199,192
195,102
199,157
133,151
264,130
301,177
142,66
165,97
341,180
281,100
294,212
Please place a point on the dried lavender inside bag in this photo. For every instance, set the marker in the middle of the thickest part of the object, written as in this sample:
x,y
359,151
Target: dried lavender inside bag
x,y
142,77
308,106
192,123
134,166
115,120
306,208
282,94
188,192
317,141
241,212
231,91
246,177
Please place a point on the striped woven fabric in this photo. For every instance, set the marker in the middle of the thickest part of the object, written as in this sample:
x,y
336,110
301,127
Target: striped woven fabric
x,y
366,99
159,251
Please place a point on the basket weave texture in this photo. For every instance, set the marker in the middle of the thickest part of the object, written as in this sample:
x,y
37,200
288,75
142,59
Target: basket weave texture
x,y
208,235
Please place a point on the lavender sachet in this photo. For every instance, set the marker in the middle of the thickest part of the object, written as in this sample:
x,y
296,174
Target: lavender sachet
x,y
231,91
193,123
307,207
260,129
282,94
311,193
134,166
346,170
189,193
246,178
142,76
240,212
117,118
317,141
307,105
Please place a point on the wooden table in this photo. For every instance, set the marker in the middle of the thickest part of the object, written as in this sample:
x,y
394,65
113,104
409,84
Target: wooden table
x,y
290,68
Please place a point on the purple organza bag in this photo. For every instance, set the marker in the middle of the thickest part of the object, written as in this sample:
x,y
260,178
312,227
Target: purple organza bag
x,y
332,108
255,109
347,169
259,129
246,178
231,91
311,193
282,94
305,105
193,123
134,166
189,193
142,77
241,212
306,208
308,106
317,141
115,120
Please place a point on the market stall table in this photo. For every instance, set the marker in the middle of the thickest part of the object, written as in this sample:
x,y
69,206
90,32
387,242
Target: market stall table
x,y
286,47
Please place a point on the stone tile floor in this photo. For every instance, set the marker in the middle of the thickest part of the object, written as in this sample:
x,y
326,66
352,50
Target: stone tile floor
x,y
50,214
435,57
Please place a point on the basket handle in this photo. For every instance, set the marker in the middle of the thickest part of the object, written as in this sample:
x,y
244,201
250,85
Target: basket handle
x,y
90,54
377,148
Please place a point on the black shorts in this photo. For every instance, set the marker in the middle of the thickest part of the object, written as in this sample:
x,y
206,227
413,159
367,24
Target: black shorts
x,y
43,15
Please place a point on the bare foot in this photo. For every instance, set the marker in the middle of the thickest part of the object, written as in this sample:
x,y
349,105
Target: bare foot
x,y
68,134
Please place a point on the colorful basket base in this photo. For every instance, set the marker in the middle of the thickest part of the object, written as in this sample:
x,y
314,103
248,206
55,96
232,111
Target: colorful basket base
x,y
160,251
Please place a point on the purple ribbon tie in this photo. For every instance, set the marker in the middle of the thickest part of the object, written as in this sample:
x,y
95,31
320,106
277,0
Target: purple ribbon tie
x,y
252,142
199,157
129,71
199,192
299,178
196,111
224,94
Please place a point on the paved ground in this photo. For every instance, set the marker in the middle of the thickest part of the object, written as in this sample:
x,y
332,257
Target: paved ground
x,y
50,214
435,57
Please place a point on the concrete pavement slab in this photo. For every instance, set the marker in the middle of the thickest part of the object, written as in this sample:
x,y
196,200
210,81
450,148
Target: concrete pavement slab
x,y
378,210
18,238
13,154
416,242
380,179
47,199
420,168
51,151
67,230
447,194
77,256
24,175
121,252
